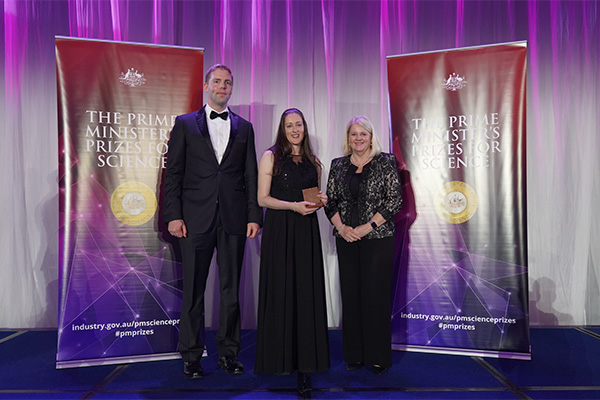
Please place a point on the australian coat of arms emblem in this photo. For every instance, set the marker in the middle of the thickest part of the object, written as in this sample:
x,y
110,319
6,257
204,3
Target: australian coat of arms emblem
x,y
454,82
132,78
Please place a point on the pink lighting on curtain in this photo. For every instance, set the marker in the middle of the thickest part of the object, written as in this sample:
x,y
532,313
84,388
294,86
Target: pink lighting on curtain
x,y
534,70
256,45
384,31
328,20
460,20
155,21
165,24
288,49
556,25
260,28
116,18
221,30
15,44
511,19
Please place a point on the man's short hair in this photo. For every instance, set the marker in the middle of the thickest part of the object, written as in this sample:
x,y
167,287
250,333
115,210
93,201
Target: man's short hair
x,y
217,66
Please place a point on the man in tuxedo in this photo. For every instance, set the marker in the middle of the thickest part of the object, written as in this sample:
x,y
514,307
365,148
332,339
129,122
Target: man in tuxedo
x,y
210,202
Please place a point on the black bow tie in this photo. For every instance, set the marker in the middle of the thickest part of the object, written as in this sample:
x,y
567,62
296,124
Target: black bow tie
x,y
214,114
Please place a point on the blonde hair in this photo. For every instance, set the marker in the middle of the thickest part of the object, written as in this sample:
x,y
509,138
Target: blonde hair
x,y
366,124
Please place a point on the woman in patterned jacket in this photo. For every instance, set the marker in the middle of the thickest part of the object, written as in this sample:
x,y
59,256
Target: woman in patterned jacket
x,y
364,195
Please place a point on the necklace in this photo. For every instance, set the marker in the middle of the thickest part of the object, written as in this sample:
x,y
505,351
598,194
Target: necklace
x,y
357,163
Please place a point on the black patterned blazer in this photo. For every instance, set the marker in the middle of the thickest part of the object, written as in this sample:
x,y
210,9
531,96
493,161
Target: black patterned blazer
x,y
379,191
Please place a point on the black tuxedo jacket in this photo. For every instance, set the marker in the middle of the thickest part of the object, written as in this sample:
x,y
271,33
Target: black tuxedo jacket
x,y
195,183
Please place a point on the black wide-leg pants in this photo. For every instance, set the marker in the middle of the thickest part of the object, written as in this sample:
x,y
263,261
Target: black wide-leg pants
x,y
366,271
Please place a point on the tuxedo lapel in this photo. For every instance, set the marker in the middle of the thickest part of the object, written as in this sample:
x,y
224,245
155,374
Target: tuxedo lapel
x,y
203,128
232,134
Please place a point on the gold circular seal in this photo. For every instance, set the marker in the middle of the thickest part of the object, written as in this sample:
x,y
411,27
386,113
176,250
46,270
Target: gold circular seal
x,y
133,203
456,202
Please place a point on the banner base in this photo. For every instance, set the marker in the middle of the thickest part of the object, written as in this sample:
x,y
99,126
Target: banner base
x,y
116,360
462,352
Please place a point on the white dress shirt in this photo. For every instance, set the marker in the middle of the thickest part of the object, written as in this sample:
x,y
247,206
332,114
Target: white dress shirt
x,y
219,130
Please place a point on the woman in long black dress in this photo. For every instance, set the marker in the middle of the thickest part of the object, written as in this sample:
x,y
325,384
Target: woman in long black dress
x,y
292,316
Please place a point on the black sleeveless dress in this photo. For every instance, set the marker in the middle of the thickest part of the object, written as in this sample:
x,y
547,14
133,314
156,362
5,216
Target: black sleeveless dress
x,y
292,314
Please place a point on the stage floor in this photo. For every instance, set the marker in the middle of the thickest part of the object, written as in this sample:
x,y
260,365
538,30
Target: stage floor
x,y
565,364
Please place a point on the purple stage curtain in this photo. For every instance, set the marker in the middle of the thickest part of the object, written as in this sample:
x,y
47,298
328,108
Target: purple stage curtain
x,y
327,58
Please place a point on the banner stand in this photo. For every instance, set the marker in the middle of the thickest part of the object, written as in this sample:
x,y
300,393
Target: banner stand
x,y
120,276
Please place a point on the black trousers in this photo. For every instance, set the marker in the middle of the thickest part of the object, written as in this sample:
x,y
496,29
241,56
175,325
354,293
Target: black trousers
x,y
366,271
197,252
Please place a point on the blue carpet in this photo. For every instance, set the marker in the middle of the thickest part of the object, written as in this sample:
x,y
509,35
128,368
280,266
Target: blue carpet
x,y
565,364
564,394
409,370
559,357
6,334
28,362
595,329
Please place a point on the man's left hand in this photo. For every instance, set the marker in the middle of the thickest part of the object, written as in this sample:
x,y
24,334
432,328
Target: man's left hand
x,y
253,229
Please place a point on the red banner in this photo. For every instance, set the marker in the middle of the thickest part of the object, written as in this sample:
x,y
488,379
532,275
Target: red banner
x,y
458,119
120,284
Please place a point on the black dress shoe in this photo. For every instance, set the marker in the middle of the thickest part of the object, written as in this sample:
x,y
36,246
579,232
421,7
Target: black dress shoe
x,y
353,366
193,370
231,365
379,370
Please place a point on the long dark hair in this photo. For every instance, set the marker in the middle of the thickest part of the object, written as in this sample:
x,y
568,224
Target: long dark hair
x,y
282,147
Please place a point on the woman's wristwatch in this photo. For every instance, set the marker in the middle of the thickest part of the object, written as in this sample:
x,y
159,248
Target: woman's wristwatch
x,y
373,224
